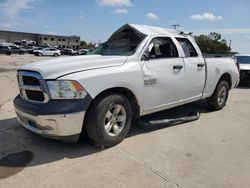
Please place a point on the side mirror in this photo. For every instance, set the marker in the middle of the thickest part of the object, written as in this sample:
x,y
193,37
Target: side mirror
x,y
146,55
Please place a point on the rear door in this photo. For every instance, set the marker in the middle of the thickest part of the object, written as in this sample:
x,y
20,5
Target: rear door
x,y
195,70
163,74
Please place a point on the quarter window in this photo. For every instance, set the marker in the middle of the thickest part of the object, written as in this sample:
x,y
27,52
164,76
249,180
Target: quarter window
x,y
187,47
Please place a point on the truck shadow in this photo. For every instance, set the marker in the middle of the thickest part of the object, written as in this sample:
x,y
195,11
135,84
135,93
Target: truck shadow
x,y
142,127
18,145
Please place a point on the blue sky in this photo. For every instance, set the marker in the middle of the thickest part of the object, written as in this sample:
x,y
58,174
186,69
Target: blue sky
x,y
95,20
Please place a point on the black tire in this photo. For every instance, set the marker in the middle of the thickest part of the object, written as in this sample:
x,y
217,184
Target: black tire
x,y
56,54
40,54
97,115
214,102
8,53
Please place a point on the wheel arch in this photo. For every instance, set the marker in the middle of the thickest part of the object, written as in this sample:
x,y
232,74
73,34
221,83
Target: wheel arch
x,y
227,77
127,93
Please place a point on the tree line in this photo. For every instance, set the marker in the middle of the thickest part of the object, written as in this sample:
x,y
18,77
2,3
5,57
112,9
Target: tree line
x,y
213,43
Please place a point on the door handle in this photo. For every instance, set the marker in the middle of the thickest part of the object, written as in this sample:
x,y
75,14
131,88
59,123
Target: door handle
x,y
177,66
200,65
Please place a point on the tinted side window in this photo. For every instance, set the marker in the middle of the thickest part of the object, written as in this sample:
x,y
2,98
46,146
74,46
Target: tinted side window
x,y
187,47
162,47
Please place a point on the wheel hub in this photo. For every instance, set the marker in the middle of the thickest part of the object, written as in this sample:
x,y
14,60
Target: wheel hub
x,y
222,95
115,120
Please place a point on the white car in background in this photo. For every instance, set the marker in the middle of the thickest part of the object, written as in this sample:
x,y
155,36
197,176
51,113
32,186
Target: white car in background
x,y
82,52
47,52
244,62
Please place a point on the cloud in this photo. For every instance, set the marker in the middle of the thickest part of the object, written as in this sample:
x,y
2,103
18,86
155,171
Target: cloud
x,y
51,32
247,37
120,11
11,8
152,16
8,25
225,31
206,16
115,3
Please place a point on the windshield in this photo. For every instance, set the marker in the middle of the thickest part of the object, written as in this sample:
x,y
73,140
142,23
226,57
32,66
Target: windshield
x,y
243,59
123,43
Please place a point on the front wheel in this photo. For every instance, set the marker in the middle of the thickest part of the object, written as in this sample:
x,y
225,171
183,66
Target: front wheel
x,y
56,54
40,54
219,98
108,120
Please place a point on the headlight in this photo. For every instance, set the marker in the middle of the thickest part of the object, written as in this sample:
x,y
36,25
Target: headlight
x,y
61,89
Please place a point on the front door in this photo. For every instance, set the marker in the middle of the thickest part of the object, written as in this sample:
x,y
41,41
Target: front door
x,y
163,74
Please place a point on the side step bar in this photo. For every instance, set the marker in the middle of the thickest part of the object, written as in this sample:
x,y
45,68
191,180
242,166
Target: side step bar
x,y
191,117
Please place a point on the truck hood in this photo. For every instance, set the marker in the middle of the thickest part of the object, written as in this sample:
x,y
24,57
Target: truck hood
x,y
57,67
244,66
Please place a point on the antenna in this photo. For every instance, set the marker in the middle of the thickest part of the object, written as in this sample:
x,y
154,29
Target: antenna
x,y
175,26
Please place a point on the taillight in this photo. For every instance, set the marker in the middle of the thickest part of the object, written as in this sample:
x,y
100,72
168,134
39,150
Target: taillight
x,y
238,66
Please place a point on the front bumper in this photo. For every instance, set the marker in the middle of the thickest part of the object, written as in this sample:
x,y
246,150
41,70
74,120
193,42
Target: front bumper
x,y
62,127
57,119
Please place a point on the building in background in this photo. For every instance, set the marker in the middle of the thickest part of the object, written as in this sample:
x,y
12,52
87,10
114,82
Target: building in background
x,y
55,40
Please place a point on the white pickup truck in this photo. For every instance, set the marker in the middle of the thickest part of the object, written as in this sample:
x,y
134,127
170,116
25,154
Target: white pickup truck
x,y
139,70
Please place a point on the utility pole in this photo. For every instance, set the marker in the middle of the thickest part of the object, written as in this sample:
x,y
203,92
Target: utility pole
x,y
230,42
175,26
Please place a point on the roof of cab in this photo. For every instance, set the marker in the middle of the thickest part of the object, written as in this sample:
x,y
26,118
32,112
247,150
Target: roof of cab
x,y
151,30
148,30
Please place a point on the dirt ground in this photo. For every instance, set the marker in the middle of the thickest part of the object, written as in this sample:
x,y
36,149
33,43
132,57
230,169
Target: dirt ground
x,y
213,151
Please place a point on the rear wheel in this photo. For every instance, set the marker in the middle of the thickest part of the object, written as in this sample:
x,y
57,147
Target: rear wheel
x,y
108,120
219,98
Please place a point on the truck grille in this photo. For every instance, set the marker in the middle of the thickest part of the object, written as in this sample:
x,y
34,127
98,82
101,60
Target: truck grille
x,y
32,86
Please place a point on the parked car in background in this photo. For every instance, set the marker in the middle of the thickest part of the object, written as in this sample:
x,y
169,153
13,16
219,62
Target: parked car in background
x,y
47,52
31,51
62,50
5,50
69,51
244,62
44,45
17,50
82,52
27,42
